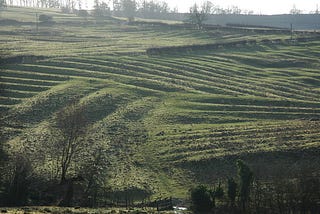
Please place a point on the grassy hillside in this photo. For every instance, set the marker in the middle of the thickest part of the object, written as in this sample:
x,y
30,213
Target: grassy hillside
x,y
167,121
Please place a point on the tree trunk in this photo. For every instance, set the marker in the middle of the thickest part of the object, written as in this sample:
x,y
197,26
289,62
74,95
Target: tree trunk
x,y
63,176
67,199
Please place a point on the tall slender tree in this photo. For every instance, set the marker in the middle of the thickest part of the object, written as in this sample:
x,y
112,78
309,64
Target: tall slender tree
x,y
245,181
232,191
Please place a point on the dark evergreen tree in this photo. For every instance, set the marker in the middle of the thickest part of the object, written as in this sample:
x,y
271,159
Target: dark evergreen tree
x,y
232,191
245,181
201,199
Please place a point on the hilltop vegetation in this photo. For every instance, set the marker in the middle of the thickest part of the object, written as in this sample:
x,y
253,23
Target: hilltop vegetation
x,y
167,121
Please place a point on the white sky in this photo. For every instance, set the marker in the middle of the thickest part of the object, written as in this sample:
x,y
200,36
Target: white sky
x,y
258,6
264,7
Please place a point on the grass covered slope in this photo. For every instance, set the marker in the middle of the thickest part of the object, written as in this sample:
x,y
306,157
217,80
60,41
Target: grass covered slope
x,y
168,120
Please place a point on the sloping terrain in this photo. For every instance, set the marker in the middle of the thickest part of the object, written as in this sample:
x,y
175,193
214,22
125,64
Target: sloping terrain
x,y
166,120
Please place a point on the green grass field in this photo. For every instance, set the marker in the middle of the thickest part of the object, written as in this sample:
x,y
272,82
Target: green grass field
x,y
172,120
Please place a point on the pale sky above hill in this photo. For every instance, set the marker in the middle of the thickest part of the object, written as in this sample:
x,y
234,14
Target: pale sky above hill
x,y
263,7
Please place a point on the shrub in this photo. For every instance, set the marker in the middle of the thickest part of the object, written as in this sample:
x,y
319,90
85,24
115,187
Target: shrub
x,y
17,181
82,13
45,18
201,200
65,10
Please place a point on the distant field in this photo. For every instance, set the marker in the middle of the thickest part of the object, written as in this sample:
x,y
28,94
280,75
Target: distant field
x,y
167,120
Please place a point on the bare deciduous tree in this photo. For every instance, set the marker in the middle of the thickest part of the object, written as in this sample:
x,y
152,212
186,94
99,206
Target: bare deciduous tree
x,y
3,4
101,8
71,123
154,7
129,8
198,15
295,10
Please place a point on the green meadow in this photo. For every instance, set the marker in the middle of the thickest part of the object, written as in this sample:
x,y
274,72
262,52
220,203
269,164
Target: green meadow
x,y
167,121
